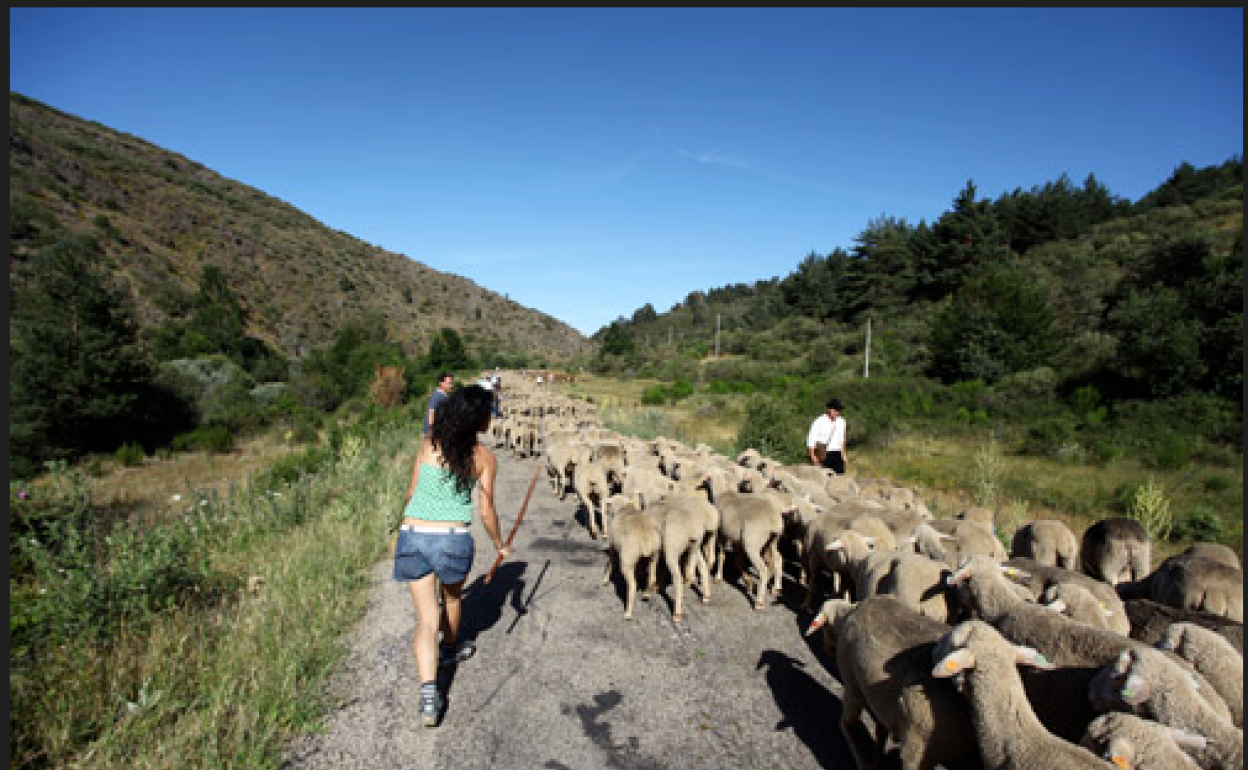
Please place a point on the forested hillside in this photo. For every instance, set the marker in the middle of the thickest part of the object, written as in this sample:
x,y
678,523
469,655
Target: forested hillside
x,y
1065,283
155,302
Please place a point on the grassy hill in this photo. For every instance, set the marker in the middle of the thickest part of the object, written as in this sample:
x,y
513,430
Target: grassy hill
x,y
161,218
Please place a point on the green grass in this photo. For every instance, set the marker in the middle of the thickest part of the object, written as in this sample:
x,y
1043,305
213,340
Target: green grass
x,y
226,681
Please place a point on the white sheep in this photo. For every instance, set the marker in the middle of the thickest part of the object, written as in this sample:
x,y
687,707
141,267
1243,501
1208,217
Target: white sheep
x,y
750,524
1048,541
1149,620
919,582
1133,743
1115,550
1192,583
1039,577
883,658
633,534
1214,657
1010,735
1077,603
1144,682
689,526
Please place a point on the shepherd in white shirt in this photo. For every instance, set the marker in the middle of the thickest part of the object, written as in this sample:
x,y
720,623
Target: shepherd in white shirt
x,y
825,442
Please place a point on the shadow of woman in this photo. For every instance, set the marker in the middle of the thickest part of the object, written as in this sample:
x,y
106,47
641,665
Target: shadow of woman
x,y
810,710
482,607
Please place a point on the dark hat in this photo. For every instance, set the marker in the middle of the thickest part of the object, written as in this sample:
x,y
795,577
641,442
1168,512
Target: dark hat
x,y
835,404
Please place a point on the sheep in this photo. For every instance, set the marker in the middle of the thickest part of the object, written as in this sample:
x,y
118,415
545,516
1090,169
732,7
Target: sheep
x,y
1115,550
818,534
1048,541
751,524
1133,743
1192,583
1039,577
857,566
874,528
1215,551
1007,730
969,538
830,619
689,524
1214,657
979,515
1149,620
1142,681
883,658
633,534
645,483
1079,650
1077,603
592,487
919,582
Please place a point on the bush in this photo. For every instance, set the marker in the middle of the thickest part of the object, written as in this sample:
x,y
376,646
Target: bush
x,y
654,395
213,438
129,455
1203,525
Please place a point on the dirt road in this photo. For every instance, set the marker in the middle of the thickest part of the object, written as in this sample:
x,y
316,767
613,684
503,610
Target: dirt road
x,y
562,681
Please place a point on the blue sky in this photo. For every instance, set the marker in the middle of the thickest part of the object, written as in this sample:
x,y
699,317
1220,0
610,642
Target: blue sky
x,y
585,162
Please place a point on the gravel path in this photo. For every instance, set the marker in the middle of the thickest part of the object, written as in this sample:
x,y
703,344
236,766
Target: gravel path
x,y
561,681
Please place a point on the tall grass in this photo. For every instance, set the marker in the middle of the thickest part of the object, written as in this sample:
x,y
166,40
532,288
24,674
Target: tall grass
x,y
213,634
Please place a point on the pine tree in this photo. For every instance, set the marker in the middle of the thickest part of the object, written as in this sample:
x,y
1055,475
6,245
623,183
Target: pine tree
x,y
79,380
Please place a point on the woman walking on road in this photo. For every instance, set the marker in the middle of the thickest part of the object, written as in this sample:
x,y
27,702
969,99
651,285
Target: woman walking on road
x,y
435,550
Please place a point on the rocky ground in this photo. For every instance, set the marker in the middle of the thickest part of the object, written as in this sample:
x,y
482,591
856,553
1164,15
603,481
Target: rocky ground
x,y
561,680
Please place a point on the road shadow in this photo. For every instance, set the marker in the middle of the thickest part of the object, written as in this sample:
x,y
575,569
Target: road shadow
x,y
808,708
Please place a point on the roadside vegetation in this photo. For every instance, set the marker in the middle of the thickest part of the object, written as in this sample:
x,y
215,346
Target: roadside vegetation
x,y
201,633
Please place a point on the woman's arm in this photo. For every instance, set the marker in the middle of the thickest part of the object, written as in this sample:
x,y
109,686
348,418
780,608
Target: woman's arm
x,y
421,451
489,514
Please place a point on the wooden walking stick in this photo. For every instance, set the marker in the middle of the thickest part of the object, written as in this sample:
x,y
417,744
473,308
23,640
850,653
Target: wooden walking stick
x,y
524,507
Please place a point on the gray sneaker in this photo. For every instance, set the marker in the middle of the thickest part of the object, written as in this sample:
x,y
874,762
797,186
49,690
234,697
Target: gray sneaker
x,y
431,710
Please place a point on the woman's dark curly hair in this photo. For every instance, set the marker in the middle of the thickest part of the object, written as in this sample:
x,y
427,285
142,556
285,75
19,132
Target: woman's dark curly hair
x,y
458,421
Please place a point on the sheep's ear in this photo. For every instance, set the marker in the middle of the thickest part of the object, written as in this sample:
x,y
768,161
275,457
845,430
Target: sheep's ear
x,y
1057,605
960,575
1030,656
1014,573
1122,664
1189,741
1135,690
816,624
954,663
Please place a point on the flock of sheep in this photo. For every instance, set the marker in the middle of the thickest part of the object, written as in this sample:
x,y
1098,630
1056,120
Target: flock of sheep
x,y
1061,652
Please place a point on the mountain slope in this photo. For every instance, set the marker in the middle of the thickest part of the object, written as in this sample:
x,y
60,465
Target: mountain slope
x,y
161,218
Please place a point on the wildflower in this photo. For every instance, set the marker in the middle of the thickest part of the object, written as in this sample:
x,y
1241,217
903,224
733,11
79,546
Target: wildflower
x,y
23,495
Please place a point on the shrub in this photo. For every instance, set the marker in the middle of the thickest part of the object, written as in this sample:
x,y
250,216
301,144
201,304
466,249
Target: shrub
x,y
129,454
654,395
211,438
1151,508
1203,525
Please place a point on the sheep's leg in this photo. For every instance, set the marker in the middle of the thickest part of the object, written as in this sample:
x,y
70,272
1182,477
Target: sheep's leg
x,y
678,587
777,567
759,561
606,575
628,565
852,705
652,562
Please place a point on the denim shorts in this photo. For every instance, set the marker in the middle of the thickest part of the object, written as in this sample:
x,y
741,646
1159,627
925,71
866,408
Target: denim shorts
x,y
446,554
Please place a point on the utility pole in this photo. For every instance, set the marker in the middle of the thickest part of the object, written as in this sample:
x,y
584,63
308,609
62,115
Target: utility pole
x,y
717,316
866,361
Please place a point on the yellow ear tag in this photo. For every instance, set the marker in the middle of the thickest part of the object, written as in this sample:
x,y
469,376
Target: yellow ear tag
x,y
1009,571
951,665
1120,761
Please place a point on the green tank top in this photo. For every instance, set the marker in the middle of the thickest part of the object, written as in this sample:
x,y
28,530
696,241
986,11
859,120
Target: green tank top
x,y
437,499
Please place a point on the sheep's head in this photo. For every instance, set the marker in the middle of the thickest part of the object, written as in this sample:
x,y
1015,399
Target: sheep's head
x,y
963,646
